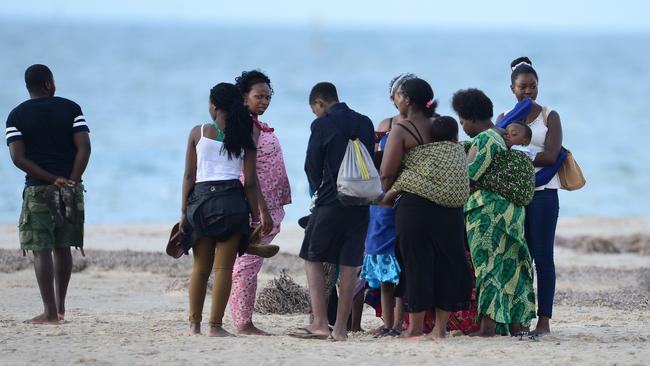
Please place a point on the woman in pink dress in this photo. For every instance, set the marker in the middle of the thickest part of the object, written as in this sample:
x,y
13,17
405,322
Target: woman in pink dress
x,y
274,186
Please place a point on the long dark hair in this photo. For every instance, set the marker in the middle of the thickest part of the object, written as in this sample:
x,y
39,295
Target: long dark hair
x,y
239,124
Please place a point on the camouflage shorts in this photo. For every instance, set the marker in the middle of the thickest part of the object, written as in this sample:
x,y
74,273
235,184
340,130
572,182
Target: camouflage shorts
x,y
51,217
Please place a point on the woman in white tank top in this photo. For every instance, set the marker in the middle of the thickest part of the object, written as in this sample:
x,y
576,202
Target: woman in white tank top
x,y
216,209
542,212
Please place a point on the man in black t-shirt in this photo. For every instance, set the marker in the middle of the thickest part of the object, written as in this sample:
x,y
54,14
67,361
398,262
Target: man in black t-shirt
x,y
48,140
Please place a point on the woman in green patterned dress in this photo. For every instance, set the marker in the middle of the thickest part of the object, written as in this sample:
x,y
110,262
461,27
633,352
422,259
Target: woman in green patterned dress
x,y
495,229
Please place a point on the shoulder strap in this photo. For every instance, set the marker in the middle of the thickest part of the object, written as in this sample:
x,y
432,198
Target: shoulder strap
x,y
390,123
203,125
417,139
545,115
421,140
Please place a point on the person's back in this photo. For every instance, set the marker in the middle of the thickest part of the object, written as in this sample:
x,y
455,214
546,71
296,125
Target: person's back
x,y
334,130
46,125
48,139
437,171
335,233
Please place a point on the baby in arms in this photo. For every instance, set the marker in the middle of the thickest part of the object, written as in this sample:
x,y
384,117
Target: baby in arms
x,y
517,137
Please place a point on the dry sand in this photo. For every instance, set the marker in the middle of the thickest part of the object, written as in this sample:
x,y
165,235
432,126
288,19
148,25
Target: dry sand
x,y
130,308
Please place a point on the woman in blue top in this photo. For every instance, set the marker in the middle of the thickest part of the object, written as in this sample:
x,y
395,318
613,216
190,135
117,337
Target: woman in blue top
x,y
380,266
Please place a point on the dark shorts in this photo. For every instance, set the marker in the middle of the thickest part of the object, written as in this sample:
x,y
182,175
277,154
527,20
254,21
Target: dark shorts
x,y
336,234
52,217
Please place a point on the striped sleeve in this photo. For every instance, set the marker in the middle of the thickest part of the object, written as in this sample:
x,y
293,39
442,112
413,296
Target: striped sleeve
x,y
79,121
12,132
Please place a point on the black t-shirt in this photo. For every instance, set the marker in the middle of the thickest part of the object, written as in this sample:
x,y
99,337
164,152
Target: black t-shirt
x,y
46,126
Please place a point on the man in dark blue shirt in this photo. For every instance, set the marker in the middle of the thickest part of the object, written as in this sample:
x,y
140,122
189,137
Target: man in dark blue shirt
x,y
48,140
335,233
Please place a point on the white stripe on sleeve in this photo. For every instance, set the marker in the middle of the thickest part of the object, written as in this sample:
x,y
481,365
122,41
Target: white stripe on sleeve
x,y
79,118
9,135
11,129
79,124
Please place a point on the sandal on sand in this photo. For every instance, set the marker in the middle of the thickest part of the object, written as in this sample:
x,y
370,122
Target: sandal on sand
x,y
381,332
263,250
304,333
394,333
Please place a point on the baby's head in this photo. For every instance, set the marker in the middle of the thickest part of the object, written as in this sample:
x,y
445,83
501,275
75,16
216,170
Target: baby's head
x,y
444,128
517,134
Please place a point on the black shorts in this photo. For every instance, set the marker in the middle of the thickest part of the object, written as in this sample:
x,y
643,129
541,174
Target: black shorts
x,y
336,234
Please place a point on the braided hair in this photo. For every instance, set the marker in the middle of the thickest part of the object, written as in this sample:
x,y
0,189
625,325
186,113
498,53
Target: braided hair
x,y
239,124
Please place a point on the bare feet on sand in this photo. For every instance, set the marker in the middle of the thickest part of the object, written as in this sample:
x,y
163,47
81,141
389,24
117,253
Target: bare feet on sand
x,y
540,331
482,333
218,331
43,320
437,334
411,335
250,329
338,337
195,329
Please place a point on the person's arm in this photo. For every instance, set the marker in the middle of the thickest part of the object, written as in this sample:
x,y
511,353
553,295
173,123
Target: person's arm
x,y
552,143
264,210
251,189
388,200
392,159
22,162
82,143
189,175
315,159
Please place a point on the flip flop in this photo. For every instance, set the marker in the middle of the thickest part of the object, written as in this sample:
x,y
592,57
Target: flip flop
x,y
304,333
381,333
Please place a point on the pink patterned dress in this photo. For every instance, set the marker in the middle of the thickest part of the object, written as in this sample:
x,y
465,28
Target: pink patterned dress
x,y
274,184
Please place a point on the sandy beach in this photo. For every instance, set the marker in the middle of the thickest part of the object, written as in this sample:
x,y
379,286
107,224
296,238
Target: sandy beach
x,y
127,305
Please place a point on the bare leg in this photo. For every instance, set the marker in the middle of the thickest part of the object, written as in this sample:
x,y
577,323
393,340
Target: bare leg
x,y
416,321
488,328
399,313
44,269
224,260
515,329
440,328
203,253
388,304
357,312
316,283
347,281
543,326
62,273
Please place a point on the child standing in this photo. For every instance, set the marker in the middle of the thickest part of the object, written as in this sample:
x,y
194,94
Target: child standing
x,y
380,266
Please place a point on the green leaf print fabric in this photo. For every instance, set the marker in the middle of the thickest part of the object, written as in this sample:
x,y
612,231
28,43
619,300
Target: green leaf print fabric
x,y
495,232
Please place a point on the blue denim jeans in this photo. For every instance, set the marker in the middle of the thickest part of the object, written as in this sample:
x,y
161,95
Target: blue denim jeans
x,y
541,221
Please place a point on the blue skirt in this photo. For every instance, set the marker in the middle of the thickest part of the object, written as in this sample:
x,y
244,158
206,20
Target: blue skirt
x,y
378,268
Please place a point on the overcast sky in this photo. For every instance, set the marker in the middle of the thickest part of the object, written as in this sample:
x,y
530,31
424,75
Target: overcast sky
x,y
619,15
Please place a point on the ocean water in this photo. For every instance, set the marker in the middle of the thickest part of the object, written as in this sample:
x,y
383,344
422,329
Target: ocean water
x,y
143,87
